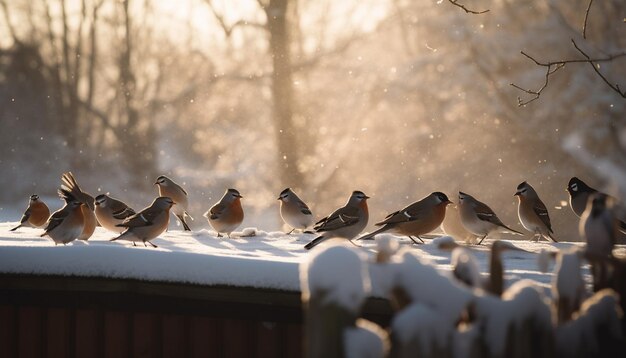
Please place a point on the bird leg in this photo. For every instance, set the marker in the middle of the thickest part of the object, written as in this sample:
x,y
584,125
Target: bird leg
x,y
134,244
289,233
219,235
415,242
144,243
481,240
153,245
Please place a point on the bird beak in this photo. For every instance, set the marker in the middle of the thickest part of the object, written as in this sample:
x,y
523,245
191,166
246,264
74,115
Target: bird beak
x,y
239,196
449,202
517,194
278,198
366,197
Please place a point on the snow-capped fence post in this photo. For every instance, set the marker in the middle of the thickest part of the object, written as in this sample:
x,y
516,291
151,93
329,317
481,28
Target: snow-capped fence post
x,y
334,284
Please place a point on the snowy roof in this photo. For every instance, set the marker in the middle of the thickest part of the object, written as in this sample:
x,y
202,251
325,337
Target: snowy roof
x,y
267,260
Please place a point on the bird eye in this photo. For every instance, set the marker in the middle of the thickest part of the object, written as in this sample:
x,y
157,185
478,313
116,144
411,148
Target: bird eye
x,y
575,187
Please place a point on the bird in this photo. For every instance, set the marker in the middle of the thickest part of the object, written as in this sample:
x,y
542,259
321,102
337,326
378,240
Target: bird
x,y
579,193
227,214
294,211
110,212
478,218
147,224
532,212
599,227
453,226
71,189
36,214
66,224
419,218
346,222
168,188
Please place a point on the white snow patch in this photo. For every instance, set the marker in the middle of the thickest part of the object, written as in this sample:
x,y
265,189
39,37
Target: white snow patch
x,y
338,271
418,322
568,280
466,267
366,340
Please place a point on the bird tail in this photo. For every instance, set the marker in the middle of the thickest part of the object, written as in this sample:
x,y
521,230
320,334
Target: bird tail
x,y
371,235
551,236
315,242
186,215
17,227
622,227
515,232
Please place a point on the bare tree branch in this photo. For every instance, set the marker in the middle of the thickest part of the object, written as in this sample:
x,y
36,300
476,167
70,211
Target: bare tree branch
x,y
228,30
455,3
615,87
553,66
586,17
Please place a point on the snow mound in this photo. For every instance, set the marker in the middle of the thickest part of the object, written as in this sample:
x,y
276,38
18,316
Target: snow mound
x,y
420,324
366,340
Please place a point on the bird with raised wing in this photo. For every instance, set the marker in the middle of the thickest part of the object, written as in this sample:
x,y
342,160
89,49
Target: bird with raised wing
x,y
70,190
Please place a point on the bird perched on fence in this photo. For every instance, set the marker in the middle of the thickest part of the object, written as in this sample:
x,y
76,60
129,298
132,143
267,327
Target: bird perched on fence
x,y
294,211
168,188
111,212
346,222
66,224
579,193
147,224
70,190
478,218
227,214
35,215
417,219
532,212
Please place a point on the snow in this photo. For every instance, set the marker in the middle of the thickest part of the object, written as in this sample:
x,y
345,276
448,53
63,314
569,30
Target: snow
x,y
366,340
339,272
579,337
521,301
568,282
267,260
420,323
466,267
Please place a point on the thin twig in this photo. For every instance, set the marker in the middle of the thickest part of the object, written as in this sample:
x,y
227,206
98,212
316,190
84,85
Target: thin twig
x,y
553,66
586,17
455,3
615,87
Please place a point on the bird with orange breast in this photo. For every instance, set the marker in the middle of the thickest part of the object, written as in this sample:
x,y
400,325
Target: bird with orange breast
x,y
70,190
36,214
227,214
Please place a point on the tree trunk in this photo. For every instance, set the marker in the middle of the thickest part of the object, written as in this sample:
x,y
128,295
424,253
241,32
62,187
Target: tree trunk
x,y
282,94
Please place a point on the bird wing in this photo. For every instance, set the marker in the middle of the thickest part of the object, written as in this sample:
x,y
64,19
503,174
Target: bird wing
x,y
342,217
304,208
542,212
121,211
56,219
217,210
25,216
143,218
410,213
70,185
484,213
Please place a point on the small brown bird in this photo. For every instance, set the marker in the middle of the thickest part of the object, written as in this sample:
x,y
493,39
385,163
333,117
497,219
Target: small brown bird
x,y
416,219
70,188
453,226
346,222
532,212
168,188
111,212
36,214
227,214
66,224
294,211
147,224
479,219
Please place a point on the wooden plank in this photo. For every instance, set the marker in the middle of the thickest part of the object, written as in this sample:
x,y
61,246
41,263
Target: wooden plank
x,y
293,343
58,332
237,340
174,333
87,333
8,331
146,335
116,334
30,332
205,335
267,339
